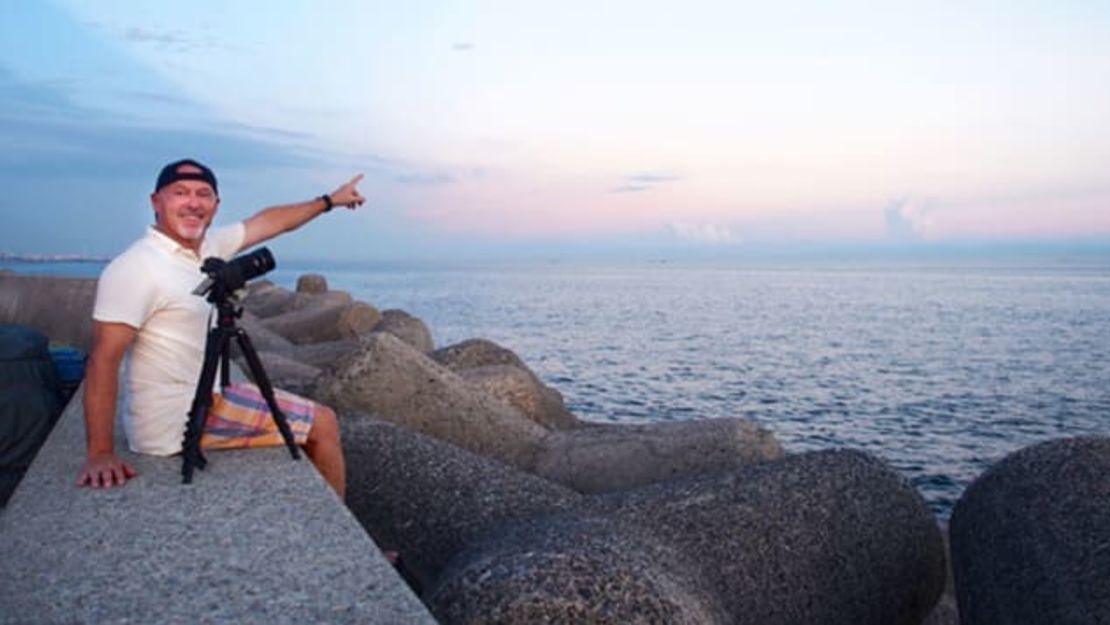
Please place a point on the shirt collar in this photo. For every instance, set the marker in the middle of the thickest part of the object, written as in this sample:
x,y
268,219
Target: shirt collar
x,y
165,243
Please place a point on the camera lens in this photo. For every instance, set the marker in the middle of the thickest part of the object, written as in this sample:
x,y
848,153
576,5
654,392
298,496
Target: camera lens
x,y
254,264
239,270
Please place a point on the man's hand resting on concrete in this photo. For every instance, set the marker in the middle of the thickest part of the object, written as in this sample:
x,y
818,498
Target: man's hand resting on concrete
x,y
105,471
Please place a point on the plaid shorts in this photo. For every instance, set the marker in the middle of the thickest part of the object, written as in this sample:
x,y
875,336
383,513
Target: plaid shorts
x,y
240,418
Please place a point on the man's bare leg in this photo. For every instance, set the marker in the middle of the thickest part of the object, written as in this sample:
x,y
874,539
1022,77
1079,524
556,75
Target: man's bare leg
x,y
324,450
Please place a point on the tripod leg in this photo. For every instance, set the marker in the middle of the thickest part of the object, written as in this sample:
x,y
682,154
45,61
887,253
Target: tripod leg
x,y
202,401
260,378
225,365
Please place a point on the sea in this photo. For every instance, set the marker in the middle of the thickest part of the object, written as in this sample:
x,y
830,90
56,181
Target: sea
x,y
939,368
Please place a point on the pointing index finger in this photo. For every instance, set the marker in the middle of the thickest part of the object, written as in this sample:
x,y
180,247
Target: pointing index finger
x,y
357,179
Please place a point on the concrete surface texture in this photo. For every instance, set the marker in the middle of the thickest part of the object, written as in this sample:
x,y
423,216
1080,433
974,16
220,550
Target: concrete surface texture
x,y
257,538
824,537
605,457
1030,538
389,378
60,308
409,329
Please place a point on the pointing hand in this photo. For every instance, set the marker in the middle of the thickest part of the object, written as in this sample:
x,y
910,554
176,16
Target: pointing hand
x,y
348,195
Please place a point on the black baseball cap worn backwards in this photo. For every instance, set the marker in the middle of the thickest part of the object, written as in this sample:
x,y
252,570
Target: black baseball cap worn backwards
x,y
170,174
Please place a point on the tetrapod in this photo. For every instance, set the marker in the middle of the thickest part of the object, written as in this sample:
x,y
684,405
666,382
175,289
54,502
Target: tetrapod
x,y
220,287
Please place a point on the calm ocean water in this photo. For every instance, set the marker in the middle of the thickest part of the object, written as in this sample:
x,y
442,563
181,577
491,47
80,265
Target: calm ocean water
x,y
939,369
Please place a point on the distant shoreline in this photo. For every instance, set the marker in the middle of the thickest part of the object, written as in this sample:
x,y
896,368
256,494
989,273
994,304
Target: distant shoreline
x,y
52,258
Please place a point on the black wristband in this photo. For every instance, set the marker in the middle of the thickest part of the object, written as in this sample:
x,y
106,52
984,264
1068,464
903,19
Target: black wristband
x,y
327,202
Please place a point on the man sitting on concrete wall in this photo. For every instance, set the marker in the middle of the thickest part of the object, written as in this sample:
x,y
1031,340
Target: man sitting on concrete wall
x,y
145,305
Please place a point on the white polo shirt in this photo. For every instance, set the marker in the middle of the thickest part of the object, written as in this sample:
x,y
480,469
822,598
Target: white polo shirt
x,y
149,287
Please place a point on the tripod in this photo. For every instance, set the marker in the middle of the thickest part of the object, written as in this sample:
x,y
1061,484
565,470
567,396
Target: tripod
x,y
216,352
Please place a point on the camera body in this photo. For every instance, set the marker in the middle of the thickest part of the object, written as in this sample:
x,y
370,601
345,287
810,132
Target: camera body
x,y
228,276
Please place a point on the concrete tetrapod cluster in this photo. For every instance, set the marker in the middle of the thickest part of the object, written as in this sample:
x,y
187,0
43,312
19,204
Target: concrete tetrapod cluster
x,y
387,378
832,537
474,394
823,537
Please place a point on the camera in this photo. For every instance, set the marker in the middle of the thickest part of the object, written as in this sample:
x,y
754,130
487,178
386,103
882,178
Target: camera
x,y
231,275
224,279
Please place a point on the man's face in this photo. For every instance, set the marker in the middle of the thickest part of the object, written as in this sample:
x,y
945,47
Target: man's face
x,y
184,209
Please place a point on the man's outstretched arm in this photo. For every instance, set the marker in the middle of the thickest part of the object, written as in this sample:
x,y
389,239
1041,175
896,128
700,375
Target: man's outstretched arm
x,y
102,467
270,222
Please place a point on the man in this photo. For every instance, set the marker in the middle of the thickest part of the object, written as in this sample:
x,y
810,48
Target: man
x,y
145,307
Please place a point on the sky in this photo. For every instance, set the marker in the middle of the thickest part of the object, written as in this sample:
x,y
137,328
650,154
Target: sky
x,y
565,128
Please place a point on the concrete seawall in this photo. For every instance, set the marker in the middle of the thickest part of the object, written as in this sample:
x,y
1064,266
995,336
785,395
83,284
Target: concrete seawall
x,y
60,308
257,538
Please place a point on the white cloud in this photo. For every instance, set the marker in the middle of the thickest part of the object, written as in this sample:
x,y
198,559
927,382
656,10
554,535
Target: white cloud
x,y
704,233
908,220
